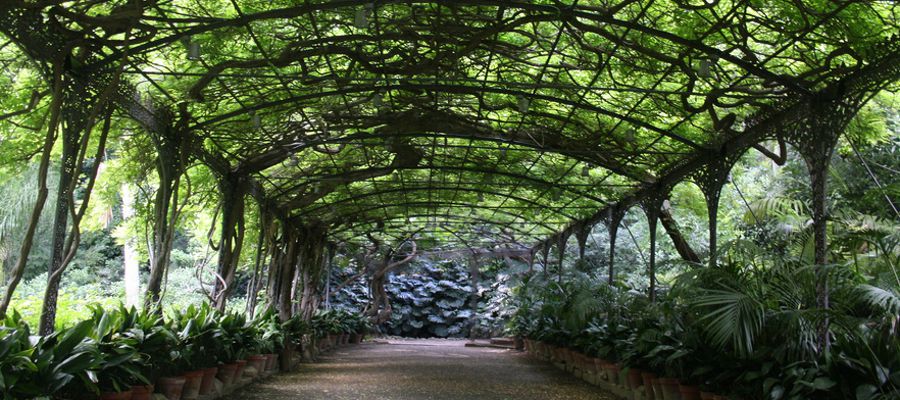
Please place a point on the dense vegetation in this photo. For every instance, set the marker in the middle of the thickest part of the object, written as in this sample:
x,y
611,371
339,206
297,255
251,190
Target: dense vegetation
x,y
116,349
706,189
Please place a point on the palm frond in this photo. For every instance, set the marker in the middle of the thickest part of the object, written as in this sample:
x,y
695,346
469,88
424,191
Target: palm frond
x,y
733,318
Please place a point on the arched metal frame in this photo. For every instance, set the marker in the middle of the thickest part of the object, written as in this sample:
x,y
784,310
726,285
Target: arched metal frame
x,y
799,107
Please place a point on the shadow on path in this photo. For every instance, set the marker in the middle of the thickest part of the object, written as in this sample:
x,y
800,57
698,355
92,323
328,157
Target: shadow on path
x,y
422,370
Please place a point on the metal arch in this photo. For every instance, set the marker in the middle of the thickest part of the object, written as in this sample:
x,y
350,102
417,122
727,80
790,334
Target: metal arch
x,y
435,188
440,132
426,204
568,188
445,88
446,217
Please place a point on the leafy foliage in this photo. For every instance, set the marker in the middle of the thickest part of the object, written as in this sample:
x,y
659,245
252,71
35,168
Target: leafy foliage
x,y
431,302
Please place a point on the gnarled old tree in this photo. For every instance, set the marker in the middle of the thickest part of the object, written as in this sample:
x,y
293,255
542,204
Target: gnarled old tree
x,y
231,241
379,262
172,141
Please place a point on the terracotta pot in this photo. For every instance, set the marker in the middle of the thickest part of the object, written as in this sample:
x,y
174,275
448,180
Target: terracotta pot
x,y
689,392
657,388
634,379
555,354
271,361
345,338
612,373
576,358
518,343
570,356
597,363
239,372
258,362
126,395
355,338
586,363
648,378
141,392
707,396
208,383
542,350
171,387
226,373
192,382
332,341
670,388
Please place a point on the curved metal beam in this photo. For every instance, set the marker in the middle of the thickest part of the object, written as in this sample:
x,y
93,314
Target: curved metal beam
x,y
545,183
433,188
426,204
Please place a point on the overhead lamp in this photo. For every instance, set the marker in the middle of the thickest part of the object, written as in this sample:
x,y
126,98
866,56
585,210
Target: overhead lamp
x,y
629,135
666,205
395,176
361,19
523,104
193,51
703,69
377,101
503,151
586,170
480,197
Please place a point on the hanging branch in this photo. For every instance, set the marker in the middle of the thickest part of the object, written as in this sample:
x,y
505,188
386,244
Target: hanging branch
x,y
35,98
65,245
28,241
379,308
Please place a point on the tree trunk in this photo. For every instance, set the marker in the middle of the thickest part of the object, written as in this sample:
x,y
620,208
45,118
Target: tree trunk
x,y
172,143
681,244
231,240
41,200
130,254
67,171
66,245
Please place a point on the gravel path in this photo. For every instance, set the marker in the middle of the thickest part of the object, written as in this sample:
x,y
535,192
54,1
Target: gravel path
x,y
422,370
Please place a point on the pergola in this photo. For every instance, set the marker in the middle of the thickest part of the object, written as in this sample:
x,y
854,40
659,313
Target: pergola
x,y
479,124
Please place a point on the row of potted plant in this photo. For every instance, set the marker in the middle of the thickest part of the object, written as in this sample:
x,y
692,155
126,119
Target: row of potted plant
x,y
336,327
711,336
123,354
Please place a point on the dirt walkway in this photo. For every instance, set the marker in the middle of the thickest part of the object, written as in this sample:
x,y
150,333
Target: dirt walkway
x,y
422,370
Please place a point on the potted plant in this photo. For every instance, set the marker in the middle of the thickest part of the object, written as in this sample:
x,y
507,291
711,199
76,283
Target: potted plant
x,y
271,337
16,364
297,332
235,340
201,344
119,362
154,340
63,360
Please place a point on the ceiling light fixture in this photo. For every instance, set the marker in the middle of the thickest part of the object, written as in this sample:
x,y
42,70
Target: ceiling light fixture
x,y
524,104
193,51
